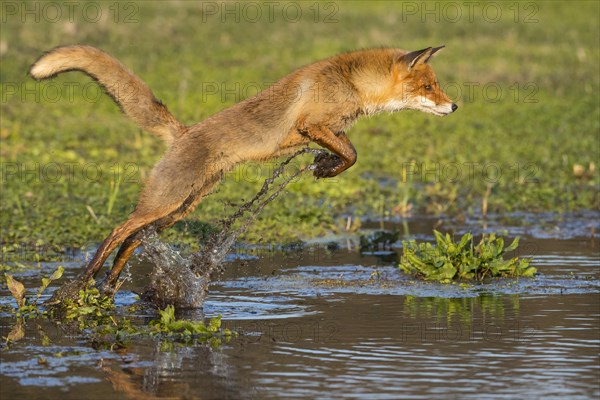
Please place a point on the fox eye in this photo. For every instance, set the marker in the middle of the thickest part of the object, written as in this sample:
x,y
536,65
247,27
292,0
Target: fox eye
x,y
428,87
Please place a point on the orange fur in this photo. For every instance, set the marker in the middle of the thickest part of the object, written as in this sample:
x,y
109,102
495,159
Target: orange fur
x,y
317,102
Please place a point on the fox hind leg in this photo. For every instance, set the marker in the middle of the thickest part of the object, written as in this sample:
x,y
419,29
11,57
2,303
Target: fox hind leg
x,y
134,240
72,289
116,237
109,284
124,253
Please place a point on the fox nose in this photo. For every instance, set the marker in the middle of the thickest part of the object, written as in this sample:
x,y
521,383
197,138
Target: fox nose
x,y
454,107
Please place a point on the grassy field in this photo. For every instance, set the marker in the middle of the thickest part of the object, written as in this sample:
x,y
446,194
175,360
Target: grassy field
x,y
525,76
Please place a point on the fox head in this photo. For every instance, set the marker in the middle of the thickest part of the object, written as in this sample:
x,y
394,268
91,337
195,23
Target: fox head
x,y
414,85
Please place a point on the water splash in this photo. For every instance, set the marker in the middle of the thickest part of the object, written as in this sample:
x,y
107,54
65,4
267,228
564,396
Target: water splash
x,y
172,280
184,282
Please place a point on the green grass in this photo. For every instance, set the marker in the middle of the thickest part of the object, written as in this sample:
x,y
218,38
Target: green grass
x,y
545,120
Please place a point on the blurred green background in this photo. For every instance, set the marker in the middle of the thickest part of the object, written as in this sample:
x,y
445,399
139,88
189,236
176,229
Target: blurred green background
x,y
525,138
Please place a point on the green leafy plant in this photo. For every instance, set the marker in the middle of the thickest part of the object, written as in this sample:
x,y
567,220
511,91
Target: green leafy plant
x,y
90,308
448,260
25,306
167,328
17,289
169,325
95,314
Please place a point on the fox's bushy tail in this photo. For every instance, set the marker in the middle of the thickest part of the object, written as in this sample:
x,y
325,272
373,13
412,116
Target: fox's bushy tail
x,y
132,95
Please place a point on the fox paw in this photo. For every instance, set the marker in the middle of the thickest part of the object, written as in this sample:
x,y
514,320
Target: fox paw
x,y
69,291
106,289
327,165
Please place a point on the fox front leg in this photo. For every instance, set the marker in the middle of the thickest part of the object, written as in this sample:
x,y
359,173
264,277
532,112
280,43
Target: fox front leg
x,y
344,153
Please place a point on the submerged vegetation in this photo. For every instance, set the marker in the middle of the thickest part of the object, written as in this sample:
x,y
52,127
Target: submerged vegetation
x,y
95,317
448,260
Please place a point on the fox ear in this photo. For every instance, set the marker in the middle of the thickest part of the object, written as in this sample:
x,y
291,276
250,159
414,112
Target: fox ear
x,y
418,57
433,51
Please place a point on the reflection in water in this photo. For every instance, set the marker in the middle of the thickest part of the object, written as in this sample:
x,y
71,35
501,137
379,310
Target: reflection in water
x,y
159,374
505,347
487,306
367,337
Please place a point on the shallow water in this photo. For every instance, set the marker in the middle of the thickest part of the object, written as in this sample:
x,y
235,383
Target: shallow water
x,y
323,323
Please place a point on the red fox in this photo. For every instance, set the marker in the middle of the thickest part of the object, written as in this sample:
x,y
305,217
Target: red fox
x,y
315,103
